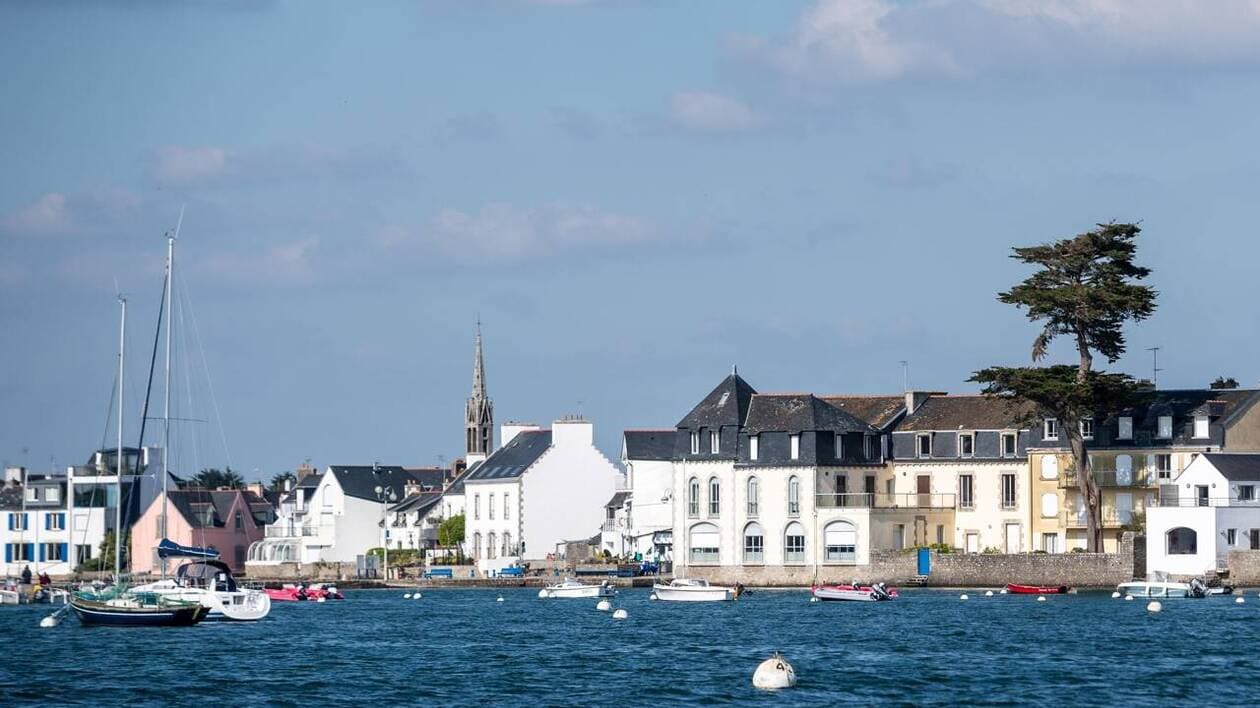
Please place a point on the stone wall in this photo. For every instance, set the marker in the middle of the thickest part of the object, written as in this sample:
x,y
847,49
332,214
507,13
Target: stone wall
x,y
1244,568
301,571
893,567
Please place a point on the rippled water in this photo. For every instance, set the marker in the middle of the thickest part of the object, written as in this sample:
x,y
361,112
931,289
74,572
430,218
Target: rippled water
x,y
461,647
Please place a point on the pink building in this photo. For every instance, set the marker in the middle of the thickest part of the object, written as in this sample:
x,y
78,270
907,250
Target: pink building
x,y
227,520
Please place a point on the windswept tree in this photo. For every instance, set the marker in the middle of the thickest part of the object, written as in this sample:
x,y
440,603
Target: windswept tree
x,y
278,481
1086,288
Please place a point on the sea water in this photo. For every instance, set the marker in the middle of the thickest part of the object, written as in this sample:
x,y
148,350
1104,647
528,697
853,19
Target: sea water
x,y
462,647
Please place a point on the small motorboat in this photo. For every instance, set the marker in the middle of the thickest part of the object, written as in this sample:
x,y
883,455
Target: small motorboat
x,y
571,588
853,592
210,583
1221,590
287,593
695,590
323,591
1016,589
1156,588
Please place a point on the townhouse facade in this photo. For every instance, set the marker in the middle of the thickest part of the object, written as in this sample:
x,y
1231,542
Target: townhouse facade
x,y
1209,510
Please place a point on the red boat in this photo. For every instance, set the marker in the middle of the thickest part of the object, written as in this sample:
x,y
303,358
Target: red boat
x,y
298,593
1036,589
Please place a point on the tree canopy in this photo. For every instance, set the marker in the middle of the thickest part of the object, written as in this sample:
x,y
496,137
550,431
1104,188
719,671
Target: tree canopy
x,y
277,481
213,478
451,531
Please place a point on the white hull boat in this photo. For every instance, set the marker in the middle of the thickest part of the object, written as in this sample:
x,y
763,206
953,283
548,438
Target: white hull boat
x,y
1150,588
210,584
854,593
571,589
691,590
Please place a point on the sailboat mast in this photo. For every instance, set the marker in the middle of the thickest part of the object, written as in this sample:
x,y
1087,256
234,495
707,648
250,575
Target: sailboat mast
x,y
118,534
166,412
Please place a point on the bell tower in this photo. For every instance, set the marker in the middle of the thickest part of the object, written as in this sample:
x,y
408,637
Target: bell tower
x,y
479,411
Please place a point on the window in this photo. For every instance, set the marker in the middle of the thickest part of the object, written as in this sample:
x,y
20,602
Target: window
x,y
477,545
966,445
82,553
19,552
490,507
1124,470
940,534
753,447
703,545
1255,539
1049,505
507,544
795,441
1010,446
840,542
1165,427
55,522
966,491
839,446
476,506
1049,467
1163,465
794,496
32,494
52,494
18,521
1051,429
693,497
715,497
899,537
754,496
1182,542
695,443
491,548
714,440
1246,492
54,552
1087,428
1008,491
754,543
1125,428
1050,542
868,447
1231,537
794,543
506,513
923,445
239,553
239,521
1200,426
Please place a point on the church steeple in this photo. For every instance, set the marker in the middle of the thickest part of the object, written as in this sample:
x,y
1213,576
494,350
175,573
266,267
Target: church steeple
x,y
479,412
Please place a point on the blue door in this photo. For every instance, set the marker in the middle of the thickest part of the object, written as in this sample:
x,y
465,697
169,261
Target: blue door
x,y
925,561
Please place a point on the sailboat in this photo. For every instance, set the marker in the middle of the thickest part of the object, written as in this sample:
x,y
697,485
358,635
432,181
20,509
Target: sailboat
x,y
116,605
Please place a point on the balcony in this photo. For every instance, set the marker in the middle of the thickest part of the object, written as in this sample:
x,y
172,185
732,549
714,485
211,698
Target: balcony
x,y
612,525
1110,518
1187,502
1115,479
879,502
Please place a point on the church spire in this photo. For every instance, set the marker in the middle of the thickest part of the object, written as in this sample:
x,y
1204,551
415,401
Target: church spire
x,y
479,411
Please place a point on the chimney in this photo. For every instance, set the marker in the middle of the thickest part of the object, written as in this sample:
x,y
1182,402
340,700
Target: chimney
x,y
572,431
411,488
13,475
914,399
511,429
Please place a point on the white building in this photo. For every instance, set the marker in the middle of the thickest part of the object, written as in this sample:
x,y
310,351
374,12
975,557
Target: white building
x,y
1210,509
648,457
543,487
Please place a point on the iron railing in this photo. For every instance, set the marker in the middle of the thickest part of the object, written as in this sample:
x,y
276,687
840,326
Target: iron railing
x,y
884,501
1113,478
1207,502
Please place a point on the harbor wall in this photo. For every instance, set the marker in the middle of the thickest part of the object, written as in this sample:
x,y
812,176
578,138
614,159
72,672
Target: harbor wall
x,y
1244,568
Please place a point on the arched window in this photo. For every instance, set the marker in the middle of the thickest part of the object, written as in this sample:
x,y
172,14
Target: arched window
x,y
477,545
1124,470
507,545
794,543
754,543
490,547
1182,541
754,496
794,495
715,496
840,542
703,544
693,497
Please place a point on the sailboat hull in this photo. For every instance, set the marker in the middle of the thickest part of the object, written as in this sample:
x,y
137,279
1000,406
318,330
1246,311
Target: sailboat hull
x,y
96,613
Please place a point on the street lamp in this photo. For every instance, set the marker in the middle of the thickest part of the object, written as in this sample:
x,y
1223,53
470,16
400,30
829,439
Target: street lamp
x,y
386,496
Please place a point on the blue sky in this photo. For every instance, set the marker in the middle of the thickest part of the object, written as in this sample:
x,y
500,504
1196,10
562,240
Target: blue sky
x,y
633,196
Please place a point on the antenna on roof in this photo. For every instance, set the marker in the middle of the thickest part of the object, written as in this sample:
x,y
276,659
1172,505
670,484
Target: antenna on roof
x,y
1154,366
905,375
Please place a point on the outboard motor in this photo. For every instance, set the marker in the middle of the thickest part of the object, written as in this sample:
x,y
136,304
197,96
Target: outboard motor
x,y
1197,588
880,591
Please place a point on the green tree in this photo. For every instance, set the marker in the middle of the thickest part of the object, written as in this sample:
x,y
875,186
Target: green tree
x,y
1086,288
1222,383
451,531
105,558
214,478
277,481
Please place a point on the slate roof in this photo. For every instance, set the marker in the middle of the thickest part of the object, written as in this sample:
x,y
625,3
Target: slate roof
x,y
966,412
1180,403
618,500
11,497
1236,467
417,502
429,477
796,412
457,484
649,444
193,504
725,405
360,481
511,460
878,411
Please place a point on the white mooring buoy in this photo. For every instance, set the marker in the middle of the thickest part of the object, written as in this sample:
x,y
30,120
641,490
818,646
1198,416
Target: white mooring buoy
x,y
1002,591
500,599
813,599
406,596
1115,595
50,621
542,594
620,615
416,596
1041,598
1128,598
963,596
653,597
988,593
1154,606
603,606
1239,601
774,673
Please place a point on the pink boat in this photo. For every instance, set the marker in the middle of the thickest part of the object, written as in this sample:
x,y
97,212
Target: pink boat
x,y
298,593
854,593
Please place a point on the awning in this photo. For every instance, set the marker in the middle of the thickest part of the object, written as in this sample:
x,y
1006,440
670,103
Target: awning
x,y
663,537
169,549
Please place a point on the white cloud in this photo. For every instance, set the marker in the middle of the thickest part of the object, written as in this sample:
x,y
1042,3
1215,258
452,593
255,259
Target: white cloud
x,y
712,112
180,163
866,41
204,165
45,215
57,213
287,263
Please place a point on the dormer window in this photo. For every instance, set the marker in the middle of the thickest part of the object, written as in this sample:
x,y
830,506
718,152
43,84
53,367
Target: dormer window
x,y
966,445
1165,427
839,446
753,447
1200,426
1051,431
923,445
1125,431
868,447
1010,446
714,441
795,442
695,443
1087,428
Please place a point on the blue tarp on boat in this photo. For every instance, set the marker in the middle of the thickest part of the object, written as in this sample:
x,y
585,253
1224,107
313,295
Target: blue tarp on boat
x,y
169,549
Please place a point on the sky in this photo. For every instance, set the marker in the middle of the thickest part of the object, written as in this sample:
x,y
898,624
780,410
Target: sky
x,y
632,195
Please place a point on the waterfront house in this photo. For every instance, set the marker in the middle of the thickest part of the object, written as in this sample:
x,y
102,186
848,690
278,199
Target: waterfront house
x,y
974,449
540,488
1208,510
1136,450
648,459
227,520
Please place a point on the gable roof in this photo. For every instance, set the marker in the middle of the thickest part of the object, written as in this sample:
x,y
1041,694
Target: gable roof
x,y
457,485
649,444
417,502
618,499
202,508
1236,467
725,405
877,411
795,412
966,412
361,481
511,460
432,478
1180,403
